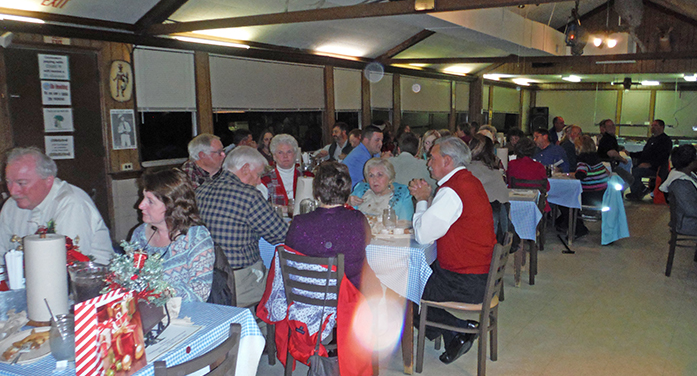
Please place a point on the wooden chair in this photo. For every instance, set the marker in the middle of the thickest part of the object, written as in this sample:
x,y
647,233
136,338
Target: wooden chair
x,y
487,311
675,236
299,291
222,359
540,185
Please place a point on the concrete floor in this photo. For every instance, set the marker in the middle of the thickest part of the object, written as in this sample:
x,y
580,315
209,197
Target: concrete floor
x,y
602,311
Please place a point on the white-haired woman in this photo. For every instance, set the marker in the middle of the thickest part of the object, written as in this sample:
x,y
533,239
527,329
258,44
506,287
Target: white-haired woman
x,y
380,191
281,181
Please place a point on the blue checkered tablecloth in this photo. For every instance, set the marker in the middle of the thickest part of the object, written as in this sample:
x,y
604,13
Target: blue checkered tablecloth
x,y
215,320
401,265
525,216
565,192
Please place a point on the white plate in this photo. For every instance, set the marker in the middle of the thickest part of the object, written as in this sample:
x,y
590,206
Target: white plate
x,y
30,356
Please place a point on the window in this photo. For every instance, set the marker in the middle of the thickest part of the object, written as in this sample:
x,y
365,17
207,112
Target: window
x,y
164,136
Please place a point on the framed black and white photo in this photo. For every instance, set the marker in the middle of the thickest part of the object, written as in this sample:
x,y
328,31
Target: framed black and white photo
x,y
123,129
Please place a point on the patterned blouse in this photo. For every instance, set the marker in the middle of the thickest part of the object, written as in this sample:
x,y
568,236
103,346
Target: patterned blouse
x,y
592,173
187,262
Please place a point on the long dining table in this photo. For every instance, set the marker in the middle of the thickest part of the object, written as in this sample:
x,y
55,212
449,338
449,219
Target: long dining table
x,y
565,190
403,266
214,322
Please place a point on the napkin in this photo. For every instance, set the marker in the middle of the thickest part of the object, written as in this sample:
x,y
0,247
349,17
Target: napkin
x,y
14,262
502,153
303,190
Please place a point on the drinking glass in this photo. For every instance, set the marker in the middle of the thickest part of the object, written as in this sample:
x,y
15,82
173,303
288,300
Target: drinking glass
x,y
61,337
87,280
389,219
291,207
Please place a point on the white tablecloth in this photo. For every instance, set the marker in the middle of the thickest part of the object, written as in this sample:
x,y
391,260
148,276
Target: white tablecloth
x,y
390,260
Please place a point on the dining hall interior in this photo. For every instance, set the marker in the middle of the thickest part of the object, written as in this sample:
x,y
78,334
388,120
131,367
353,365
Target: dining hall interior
x,y
172,69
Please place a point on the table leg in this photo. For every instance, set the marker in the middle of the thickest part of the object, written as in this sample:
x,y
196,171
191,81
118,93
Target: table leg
x,y
408,339
518,263
572,226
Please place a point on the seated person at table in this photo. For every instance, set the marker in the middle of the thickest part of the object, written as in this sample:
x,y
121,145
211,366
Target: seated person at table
x,y
426,143
548,153
206,155
609,151
173,229
594,177
682,181
485,167
381,192
512,137
654,155
370,146
524,167
332,228
237,214
460,221
38,196
571,133
282,180
406,165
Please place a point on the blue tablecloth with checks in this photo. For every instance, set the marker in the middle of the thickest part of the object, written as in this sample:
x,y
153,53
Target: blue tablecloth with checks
x,y
215,320
401,265
525,216
565,192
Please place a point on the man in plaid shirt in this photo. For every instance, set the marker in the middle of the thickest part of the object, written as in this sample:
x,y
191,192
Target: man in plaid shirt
x,y
237,215
206,155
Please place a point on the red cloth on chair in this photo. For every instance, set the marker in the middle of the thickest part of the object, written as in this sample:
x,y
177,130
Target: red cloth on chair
x,y
658,196
355,358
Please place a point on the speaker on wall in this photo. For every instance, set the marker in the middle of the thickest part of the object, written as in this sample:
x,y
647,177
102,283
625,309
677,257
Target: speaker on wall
x,y
539,118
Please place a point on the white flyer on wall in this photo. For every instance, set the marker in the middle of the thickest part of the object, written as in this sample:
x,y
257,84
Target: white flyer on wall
x,y
60,147
53,67
55,93
58,120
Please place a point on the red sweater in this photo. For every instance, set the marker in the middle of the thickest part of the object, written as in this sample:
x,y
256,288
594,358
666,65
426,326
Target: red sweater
x,y
469,243
528,169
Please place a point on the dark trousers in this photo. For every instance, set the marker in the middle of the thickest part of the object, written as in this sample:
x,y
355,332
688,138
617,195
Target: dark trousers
x,y
637,187
447,286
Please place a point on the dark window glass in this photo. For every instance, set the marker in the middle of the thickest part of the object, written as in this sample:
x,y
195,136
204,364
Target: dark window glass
x,y
305,126
165,135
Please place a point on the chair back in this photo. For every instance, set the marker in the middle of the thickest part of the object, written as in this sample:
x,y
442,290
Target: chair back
x,y
496,272
305,277
223,290
673,211
540,185
222,359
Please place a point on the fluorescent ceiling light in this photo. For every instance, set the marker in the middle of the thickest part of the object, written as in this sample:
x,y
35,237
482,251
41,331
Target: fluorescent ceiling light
x,y
521,81
231,33
572,78
496,76
210,41
10,17
417,65
338,51
692,78
650,83
457,69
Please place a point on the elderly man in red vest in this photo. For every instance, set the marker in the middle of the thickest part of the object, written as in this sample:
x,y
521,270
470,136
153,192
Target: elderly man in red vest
x,y
461,223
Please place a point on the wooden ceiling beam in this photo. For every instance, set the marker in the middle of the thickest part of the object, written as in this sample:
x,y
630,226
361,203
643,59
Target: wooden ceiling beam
x,y
383,9
550,59
80,21
416,38
158,14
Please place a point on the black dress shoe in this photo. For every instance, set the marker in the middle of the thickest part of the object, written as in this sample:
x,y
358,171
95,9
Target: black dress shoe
x,y
457,347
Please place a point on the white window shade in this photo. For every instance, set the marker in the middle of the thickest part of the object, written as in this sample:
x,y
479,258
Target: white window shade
x,y
635,107
676,108
462,96
506,100
426,95
381,93
164,79
583,108
261,85
347,89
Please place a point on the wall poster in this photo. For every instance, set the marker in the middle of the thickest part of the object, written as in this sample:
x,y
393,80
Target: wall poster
x,y
55,93
58,120
60,147
53,67
123,129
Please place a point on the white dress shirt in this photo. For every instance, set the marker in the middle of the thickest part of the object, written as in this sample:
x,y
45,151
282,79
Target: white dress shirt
x,y
431,223
74,214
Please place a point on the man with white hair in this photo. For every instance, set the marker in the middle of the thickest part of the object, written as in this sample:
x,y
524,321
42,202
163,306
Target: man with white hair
x,y
282,180
461,223
38,197
237,215
206,155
